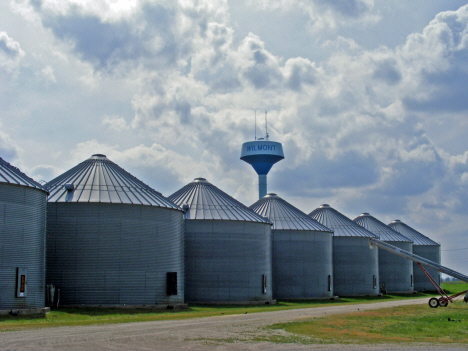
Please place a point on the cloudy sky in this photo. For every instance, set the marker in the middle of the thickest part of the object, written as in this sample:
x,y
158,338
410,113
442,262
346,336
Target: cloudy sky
x,y
369,99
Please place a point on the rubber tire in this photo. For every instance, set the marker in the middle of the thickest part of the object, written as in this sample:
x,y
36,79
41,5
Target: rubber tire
x,y
441,304
433,302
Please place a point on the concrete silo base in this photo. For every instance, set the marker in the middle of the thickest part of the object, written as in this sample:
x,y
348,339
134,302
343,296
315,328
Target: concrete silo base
x,y
25,312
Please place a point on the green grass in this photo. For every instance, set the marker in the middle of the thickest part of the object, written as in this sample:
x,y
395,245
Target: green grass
x,y
454,287
88,316
392,325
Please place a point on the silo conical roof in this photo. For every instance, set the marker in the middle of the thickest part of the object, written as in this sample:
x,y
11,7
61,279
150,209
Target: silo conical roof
x,y
410,233
375,226
341,225
100,180
285,216
12,175
205,201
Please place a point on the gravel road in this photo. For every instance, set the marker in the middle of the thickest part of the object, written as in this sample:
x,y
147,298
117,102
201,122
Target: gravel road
x,y
234,332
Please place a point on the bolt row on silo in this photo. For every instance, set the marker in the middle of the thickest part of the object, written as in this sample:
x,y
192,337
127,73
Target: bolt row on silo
x,y
395,272
22,240
227,247
301,251
111,239
355,265
424,247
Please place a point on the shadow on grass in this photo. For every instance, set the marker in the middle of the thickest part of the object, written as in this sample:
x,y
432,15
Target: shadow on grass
x,y
109,311
8,318
95,312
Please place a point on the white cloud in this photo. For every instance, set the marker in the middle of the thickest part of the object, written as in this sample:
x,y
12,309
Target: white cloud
x,y
256,65
325,14
154,165
44,173
8,150
299,72
47,73
120,36
116,123
10,52
109,11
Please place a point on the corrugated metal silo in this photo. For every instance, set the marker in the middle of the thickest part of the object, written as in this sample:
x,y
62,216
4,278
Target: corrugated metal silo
x,y
302,251
355,265
22,240
424,247
111,239
227,247
394,271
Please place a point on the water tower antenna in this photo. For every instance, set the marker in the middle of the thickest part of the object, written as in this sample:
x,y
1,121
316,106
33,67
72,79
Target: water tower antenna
x,y
255,125
266,126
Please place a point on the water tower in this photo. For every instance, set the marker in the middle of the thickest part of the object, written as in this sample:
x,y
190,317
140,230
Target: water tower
x,y
262,154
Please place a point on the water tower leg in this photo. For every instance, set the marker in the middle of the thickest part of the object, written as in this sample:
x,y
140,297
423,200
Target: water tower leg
x,y
262,185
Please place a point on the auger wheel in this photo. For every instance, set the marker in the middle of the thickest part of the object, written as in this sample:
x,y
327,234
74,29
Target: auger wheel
x,y
443,302
433,302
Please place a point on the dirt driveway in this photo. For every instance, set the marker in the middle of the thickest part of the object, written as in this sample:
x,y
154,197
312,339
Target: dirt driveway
x,y
233,332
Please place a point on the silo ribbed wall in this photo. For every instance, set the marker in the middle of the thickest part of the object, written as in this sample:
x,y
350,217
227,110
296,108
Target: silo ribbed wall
x,y
355,267
395,271
22,244
302,264
114,254
431,252
226,260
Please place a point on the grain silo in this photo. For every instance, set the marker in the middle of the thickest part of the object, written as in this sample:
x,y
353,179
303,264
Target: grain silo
x,y
23,205
302,251
355,265
424,247
227,247
395,272
111,239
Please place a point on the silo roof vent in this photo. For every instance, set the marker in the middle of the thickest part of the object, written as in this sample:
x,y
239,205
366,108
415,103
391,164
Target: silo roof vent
x,y
200,180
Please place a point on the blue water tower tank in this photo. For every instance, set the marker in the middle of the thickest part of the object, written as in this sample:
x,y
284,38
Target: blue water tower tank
x,y
262,155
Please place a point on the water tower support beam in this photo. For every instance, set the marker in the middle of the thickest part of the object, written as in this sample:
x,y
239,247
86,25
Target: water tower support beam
x,y
262,185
